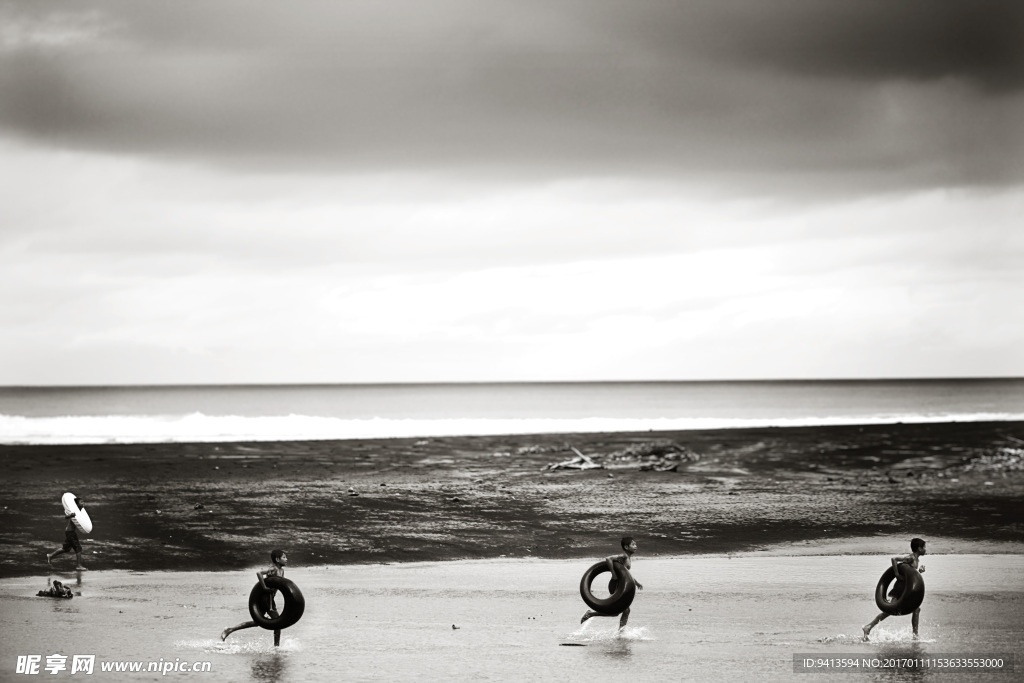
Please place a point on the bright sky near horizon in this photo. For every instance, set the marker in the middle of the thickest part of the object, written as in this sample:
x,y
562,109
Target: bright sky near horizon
x,y
483,190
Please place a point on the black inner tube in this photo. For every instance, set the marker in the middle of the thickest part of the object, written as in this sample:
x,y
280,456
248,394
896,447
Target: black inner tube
x,y
622,592
260,601
910,595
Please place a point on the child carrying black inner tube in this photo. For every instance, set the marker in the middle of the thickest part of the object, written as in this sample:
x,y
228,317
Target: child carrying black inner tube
x,y
917,549
619,566
268,606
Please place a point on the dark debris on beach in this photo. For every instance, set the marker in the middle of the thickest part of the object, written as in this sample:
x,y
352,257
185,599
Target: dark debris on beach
x,y
658,455
224,506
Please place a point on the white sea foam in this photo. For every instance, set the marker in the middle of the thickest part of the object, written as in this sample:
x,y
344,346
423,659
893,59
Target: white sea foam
x,y
595,631
256,644
196,427
903,634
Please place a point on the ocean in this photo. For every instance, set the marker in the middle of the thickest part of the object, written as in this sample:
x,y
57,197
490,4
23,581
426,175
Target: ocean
x,y
169,414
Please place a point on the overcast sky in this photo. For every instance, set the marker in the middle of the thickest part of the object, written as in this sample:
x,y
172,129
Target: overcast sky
x,y
213,191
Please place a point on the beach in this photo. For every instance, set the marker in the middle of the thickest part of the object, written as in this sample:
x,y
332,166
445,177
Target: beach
x,y
755,545
700,617
222,506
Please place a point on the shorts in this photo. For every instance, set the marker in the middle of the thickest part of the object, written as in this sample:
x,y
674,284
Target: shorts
x,y
267,605
897,590
71,542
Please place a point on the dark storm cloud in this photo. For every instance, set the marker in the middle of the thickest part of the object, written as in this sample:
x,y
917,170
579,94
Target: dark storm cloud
x,y
859,93
980,42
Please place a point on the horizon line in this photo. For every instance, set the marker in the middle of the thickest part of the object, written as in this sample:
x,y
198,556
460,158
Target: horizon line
x,y
259,385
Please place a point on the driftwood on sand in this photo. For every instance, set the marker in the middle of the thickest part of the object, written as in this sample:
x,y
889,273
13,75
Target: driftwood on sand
x,y
656,456
647,456
580,462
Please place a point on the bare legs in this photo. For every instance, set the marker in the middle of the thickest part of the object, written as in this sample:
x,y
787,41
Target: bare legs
x,y
231,629
250,624
623,618
61,551
914,621
867,629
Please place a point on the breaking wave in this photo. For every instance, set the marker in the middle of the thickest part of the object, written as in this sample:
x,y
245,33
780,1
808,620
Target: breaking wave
x,y
197,427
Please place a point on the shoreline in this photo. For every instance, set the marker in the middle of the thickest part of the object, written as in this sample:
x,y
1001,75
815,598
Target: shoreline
x,y
478,497
882,546
710,618
875,549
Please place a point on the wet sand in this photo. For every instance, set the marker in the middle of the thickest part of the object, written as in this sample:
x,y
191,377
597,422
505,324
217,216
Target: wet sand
x,y
701,617
223,506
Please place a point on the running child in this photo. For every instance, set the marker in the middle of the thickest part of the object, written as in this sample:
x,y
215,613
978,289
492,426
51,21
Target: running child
x,y
267,604
917,549
71,541
619,565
